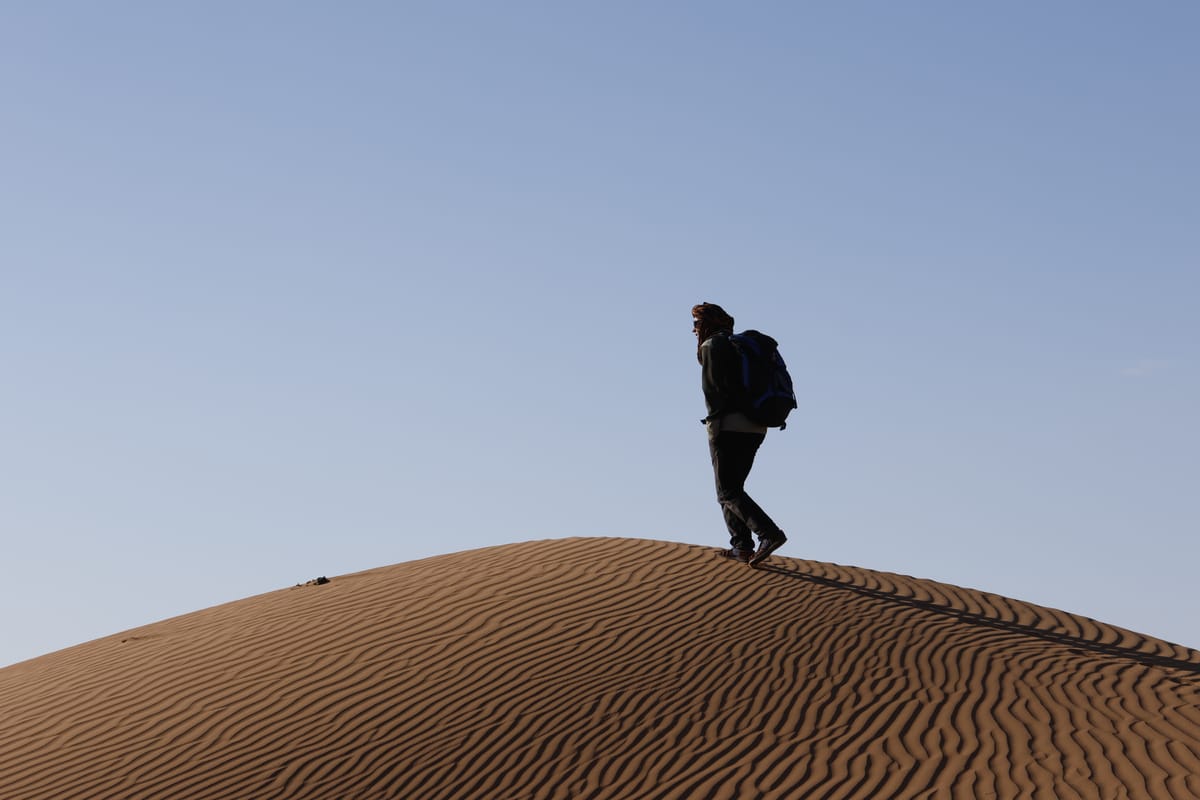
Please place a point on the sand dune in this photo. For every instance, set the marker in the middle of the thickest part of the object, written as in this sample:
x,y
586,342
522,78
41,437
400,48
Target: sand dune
x,y
608,668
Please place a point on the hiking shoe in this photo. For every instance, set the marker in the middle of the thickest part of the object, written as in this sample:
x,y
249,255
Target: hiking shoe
x,y
737,554
766,546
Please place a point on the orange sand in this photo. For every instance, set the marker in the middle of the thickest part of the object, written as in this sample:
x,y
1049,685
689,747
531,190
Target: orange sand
x,y
608,668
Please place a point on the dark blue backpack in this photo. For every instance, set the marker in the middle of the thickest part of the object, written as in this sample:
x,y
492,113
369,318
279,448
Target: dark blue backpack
x,y
767,394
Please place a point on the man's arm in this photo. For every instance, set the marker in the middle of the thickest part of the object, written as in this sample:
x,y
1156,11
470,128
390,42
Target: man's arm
x,y
718,361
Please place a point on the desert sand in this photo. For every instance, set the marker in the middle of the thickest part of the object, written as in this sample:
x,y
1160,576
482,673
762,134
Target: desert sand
x,y
608,668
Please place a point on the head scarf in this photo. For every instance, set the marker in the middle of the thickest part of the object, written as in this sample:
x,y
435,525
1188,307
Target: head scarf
x,y
709,318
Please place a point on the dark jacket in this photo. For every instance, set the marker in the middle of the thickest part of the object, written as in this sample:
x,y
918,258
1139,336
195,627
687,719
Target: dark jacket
x,y
719,363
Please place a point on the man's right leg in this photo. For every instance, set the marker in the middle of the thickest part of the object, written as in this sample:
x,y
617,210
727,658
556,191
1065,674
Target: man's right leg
x,y
732,458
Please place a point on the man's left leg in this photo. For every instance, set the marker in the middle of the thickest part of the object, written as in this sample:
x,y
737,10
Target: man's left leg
x,y
733,457
732,461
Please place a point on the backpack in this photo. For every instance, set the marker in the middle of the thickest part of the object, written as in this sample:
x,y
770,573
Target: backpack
x,y
767,396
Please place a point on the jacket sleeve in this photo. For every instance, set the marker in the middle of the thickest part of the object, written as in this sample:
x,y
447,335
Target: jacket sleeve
x,y
718,361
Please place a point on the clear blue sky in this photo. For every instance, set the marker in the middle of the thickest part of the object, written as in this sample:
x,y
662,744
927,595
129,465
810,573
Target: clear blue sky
x,y
300,289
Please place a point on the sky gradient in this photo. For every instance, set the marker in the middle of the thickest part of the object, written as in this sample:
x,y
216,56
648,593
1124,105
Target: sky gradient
x,y
290,290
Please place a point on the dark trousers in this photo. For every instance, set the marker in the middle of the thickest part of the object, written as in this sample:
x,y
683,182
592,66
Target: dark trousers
x,y
732,457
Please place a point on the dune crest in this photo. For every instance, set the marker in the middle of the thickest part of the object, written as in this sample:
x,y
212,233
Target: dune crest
x,y
608,668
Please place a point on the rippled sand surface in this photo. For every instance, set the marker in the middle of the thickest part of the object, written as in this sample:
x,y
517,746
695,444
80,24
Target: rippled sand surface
x,y
608,668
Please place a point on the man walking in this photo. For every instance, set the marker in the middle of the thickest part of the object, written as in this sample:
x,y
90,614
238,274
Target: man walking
x,y
733,438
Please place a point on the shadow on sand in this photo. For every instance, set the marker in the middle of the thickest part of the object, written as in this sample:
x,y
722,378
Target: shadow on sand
x,y
1066,639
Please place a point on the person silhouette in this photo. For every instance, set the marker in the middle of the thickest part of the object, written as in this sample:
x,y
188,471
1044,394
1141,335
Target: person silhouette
x,y
733,438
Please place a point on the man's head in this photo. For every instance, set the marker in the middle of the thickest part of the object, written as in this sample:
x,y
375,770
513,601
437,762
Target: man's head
x,y
707,319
